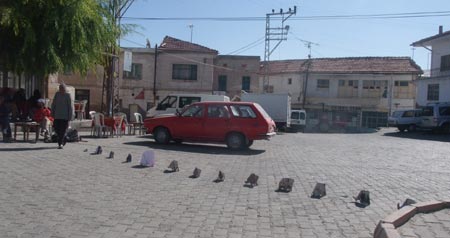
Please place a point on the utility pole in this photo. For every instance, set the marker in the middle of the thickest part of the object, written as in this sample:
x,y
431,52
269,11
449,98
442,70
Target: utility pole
x,y
111,79
192,30
277,34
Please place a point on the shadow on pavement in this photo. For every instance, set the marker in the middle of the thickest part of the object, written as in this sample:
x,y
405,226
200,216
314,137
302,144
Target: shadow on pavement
x,y
196,148
27,149
420,135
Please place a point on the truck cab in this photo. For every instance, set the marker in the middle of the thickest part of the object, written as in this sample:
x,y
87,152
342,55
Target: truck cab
x,y
173,102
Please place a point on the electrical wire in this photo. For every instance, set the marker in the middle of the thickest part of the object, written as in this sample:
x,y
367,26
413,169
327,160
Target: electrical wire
x,y
247,47
304,18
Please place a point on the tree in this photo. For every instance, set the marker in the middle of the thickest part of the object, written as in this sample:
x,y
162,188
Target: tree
x,y
41,37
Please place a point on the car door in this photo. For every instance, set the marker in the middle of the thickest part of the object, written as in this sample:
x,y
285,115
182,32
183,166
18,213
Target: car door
x,y
217,122
189,124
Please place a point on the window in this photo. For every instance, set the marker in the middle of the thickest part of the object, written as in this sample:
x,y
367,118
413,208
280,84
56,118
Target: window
x,y
433,92
341,83
444,111
246,83
184,72
323,83
243,111
401,83
445,62
222,83
187,101
218,111
136,72
289,81
194,111
408,114
353,83
168,102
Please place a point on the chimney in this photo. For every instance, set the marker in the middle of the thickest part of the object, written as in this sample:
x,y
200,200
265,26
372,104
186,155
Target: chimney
x,y
440,30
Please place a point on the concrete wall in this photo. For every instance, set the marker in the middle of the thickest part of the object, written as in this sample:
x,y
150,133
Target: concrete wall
x,y
422,90
235,68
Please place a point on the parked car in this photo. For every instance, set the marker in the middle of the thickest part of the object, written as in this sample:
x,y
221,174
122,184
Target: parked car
x,y
406,119
237,124
436,116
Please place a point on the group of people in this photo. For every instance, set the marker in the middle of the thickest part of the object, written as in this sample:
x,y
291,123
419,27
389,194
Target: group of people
x,y
34,108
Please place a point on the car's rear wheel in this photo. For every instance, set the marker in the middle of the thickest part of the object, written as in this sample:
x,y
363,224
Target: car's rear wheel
x,y
236,141
162,135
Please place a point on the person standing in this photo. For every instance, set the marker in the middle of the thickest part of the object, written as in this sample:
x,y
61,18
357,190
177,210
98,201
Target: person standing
x,y
62,111
4,120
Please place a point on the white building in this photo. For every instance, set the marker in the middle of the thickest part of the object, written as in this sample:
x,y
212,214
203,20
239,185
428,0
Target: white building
x,y
356,91
436,87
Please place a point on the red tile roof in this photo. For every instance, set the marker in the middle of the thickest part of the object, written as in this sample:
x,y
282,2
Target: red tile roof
x,y
363,65
171,43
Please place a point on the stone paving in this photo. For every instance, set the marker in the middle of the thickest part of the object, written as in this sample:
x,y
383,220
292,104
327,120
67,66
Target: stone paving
x,y
45,192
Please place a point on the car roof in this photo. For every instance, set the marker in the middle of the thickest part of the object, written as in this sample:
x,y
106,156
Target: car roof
x,y
224,103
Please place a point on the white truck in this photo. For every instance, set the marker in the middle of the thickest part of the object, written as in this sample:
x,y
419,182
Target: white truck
x,y
277,105
174,102
298,120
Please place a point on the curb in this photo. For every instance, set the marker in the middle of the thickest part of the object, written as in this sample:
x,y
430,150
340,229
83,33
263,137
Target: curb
x,y
387,227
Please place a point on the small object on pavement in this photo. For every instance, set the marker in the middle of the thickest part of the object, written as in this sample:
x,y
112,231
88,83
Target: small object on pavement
x,y
129,158
220,177
148,159
174,166
363,198
99,150
85,150
407,202
196,173
285,185
111,155
252,180
319,191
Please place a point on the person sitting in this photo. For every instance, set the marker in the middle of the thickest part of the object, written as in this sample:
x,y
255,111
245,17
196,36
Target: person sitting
x,y
42,115
4,120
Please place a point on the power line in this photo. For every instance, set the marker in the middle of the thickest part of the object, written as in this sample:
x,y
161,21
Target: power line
x,y
303,18
247,47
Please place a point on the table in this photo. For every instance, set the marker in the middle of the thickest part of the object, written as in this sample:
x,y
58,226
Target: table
x,y
26,126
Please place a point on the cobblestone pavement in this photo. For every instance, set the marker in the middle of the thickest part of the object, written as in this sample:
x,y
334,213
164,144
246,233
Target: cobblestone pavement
x,y
45,192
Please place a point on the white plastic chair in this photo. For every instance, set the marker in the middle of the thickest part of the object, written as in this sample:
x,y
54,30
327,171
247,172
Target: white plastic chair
x,y
139,123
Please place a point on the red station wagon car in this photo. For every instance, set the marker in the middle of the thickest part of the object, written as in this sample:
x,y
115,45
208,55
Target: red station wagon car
x,y
237,124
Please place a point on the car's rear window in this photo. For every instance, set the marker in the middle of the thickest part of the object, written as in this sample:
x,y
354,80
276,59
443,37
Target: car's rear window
x,y
427,111
263,112
243,111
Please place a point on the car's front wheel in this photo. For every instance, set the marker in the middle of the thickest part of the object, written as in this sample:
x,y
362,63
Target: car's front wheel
x,y
161,135
235,141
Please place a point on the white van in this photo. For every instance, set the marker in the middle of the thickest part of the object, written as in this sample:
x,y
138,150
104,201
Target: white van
x,y
174,102
298,120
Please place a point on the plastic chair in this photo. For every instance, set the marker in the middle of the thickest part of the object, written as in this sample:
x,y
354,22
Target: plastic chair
x,y
119,118
99,126
139,123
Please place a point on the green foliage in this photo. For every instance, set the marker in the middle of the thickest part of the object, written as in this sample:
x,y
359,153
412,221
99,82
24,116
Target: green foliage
x,y
41,37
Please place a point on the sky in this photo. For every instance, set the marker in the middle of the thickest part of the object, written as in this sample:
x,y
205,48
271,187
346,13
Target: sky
x,y
330,37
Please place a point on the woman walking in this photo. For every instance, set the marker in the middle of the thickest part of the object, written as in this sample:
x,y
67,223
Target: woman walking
x,y
62,111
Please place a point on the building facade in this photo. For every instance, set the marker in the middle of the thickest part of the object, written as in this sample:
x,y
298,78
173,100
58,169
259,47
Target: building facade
x,y
339,93
436,86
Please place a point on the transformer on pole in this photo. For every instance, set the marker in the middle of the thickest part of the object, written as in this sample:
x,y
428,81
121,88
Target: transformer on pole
x,y
276,34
